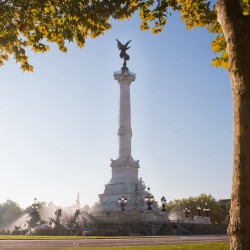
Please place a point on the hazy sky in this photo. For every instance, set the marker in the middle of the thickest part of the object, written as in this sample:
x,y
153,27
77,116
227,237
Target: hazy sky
x,y
58,128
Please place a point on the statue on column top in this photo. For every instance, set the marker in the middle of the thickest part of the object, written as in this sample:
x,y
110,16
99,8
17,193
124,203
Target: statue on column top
x,y
123,54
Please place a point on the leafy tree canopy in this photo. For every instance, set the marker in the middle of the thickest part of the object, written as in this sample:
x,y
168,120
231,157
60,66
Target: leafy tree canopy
x,y
9,211
35,23
218,212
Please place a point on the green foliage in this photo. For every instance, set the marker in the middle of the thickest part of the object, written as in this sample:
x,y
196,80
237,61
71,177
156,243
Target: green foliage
x,y
34,23
245,5
218,213
9,212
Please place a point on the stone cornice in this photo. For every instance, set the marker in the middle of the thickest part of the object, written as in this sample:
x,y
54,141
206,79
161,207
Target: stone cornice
x,y
124,76
122,162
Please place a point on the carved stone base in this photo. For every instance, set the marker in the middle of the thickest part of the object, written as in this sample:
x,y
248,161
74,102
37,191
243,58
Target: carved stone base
x,y
133,191
124,170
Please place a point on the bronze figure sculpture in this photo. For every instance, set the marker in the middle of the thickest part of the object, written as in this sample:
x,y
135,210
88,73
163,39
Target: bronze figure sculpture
x,y
123,54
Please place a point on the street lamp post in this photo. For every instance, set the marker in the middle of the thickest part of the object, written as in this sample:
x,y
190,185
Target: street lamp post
x,y
34,205
163,204
149,199
35,218
122,201
186,211
199,210
206,210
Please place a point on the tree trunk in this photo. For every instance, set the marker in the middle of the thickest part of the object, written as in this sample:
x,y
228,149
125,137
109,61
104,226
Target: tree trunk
x,y
236,29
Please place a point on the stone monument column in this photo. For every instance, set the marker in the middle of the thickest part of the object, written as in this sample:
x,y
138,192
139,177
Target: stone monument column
x,y
124,180
124,79
125,168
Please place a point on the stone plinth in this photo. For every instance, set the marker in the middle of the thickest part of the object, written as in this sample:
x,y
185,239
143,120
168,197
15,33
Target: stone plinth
x,y
133,191
124,170
163,216
155,216
187,220
202,220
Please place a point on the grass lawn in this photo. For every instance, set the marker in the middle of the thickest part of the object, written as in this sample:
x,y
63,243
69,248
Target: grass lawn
x,y
194,246
40,237
191,246
30,237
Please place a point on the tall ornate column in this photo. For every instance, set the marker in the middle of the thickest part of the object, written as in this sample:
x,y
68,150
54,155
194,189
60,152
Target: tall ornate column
x,y
124,180
124,132
124,169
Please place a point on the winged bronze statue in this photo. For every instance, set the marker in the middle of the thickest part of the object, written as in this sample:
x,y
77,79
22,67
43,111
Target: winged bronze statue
x,y
123,48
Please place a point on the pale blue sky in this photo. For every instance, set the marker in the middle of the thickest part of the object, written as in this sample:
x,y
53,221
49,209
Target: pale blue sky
x,y
58,128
